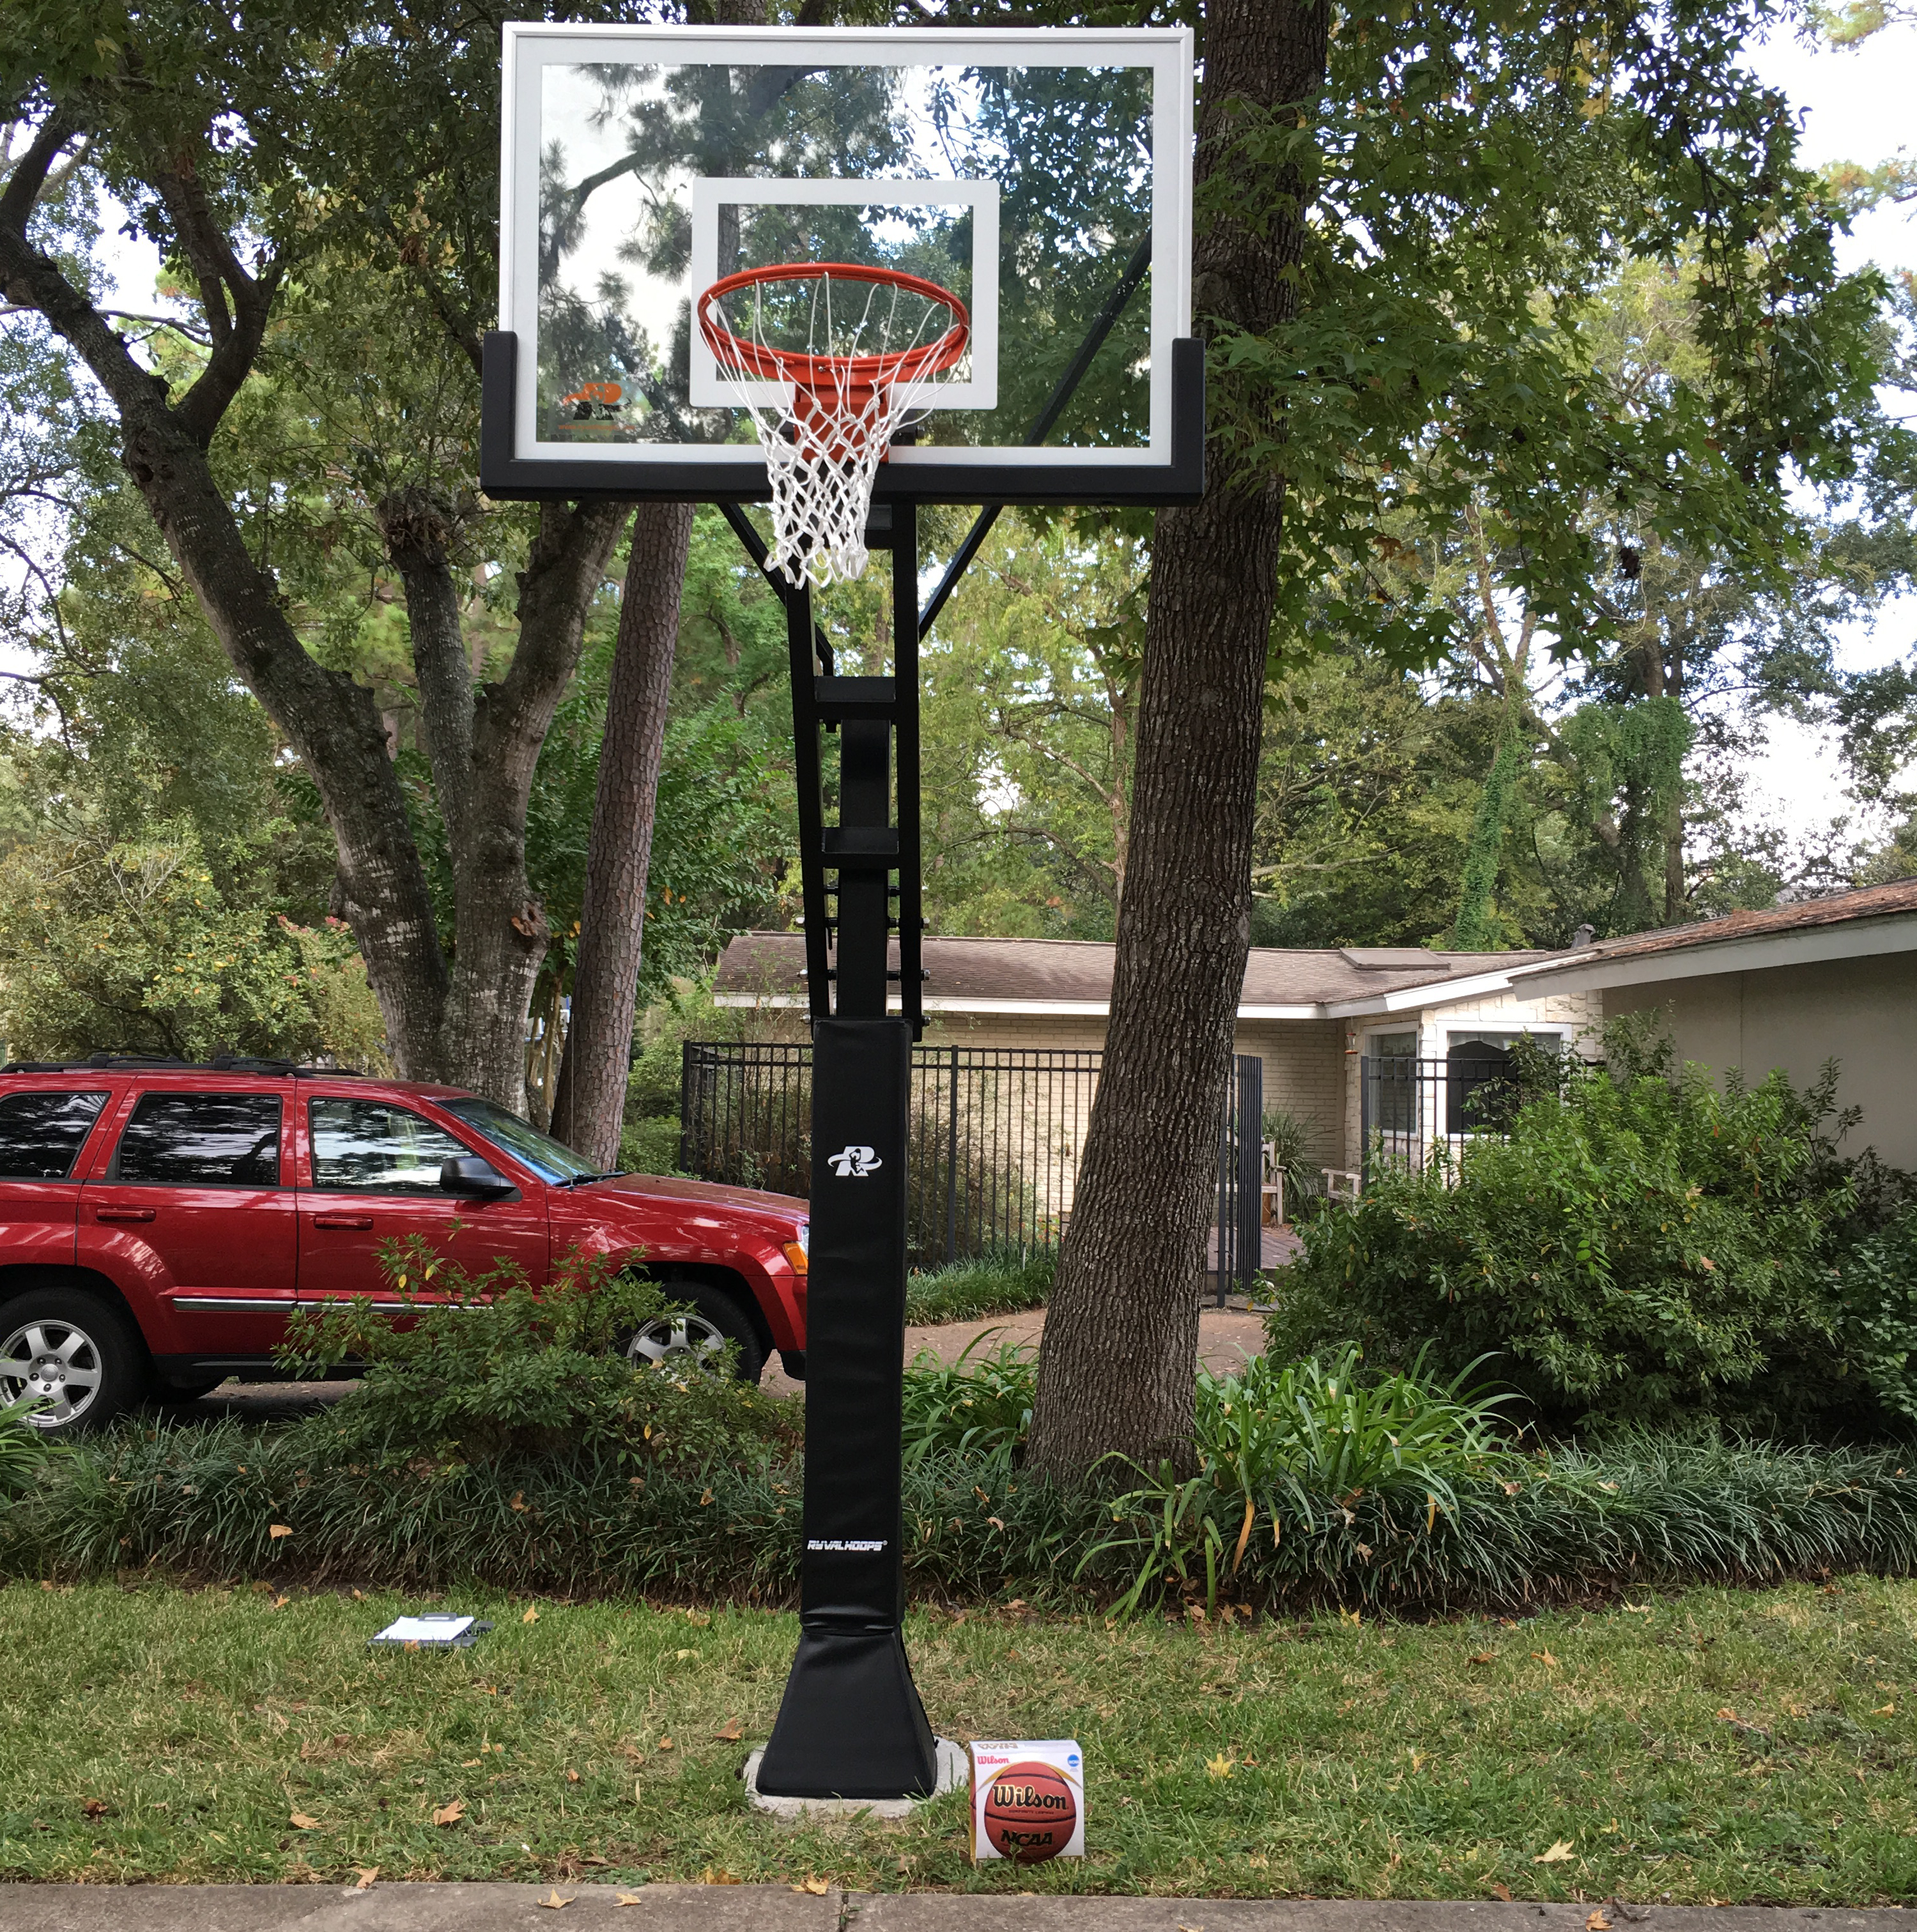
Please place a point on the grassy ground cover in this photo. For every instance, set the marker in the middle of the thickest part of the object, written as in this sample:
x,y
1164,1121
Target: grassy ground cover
x,y
1713,1746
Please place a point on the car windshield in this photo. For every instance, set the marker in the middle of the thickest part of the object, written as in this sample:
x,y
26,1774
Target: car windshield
x,y
544,1155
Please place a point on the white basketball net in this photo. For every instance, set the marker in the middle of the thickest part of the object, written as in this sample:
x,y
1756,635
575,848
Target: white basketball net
x,y
823,444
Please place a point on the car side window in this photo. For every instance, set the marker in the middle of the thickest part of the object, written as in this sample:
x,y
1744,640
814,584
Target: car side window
x,y
41,1134
368,1147
202,1140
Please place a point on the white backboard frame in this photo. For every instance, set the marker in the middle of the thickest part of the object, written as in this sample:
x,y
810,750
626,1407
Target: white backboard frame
x,y
528,47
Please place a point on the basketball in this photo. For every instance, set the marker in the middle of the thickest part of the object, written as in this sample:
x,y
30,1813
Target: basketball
x,y
1029,1811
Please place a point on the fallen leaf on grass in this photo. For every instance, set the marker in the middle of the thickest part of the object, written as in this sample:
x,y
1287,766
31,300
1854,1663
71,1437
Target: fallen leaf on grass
x,y
1485,1657
705,1499
553,1901
1545,1657
518,1500
818,1887
1727,1715
274,1531
1884,1711
1556,1855
449,1814
300,1822
1639,1610
1220,1766
95,1807
665,1743
732,1731
572,1776
709,1876
1598,1922
532,1616
1503,1891
368,1873
281,1603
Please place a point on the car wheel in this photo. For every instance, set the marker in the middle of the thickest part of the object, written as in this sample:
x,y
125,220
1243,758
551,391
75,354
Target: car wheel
x,y
695,1337
71,1354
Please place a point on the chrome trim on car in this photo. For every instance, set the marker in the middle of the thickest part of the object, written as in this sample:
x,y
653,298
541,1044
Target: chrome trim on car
x,y
221,1304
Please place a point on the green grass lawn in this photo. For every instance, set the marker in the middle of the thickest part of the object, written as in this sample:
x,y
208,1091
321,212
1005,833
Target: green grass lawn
x,y
1717,1746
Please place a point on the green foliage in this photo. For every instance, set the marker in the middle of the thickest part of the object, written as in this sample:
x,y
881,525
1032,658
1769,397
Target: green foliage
x,y
1000,1280
135,946
1306,1441
650,1146
495,1368
976,1408
1878,1287
23,1450
1640,1246
1291,1137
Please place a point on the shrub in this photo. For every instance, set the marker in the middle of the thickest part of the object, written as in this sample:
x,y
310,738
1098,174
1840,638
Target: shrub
x,y
1640,1246
496,1369
23,1450
1004,1280
651,1146
969,1407
1308,1440
1290,1137
1878,1286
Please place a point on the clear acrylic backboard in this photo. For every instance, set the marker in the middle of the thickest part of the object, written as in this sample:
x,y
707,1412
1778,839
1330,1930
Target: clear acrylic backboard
x,y
1043,176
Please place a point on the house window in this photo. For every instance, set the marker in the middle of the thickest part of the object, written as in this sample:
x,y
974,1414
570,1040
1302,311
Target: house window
x,y
1478,1087
1394,1081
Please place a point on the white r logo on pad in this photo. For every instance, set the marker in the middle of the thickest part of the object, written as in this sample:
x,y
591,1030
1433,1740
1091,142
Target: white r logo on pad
x,y
855,1163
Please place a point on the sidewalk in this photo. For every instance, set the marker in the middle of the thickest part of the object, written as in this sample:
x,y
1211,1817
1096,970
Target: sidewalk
x,y
764,1908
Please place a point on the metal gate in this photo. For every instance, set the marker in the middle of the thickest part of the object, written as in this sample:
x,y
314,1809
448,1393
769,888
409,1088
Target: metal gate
x,y
1240,1179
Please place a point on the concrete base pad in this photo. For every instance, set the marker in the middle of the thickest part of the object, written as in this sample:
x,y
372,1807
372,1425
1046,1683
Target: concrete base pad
x,y
954,1769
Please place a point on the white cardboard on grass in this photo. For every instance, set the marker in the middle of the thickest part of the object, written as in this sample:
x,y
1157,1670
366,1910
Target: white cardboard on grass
x,y
990,1755
425,1630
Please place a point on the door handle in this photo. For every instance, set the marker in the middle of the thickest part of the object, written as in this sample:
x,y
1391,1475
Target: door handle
x,y
343,1220
123,1213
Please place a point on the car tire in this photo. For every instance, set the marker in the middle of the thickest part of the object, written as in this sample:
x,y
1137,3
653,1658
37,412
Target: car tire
x,y
79,1354
698,1337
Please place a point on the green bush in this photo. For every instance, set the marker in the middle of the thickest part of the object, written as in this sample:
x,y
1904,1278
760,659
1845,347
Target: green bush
x,y
970,1408
651,1146
1004,1280
1639,1247
496,1369
23,1450
1877,1282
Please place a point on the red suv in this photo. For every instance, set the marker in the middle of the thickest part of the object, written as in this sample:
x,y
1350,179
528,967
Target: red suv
x,y
158,1220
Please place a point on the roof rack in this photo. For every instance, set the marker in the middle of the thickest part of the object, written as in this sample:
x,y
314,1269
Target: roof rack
x,y
220,1063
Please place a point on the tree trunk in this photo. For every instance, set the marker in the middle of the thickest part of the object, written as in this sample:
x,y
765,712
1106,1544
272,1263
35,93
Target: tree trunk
x,y
1121,1333
590,1108
484,747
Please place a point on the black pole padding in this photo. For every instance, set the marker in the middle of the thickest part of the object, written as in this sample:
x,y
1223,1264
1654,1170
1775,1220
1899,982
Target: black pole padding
x,y
850,1724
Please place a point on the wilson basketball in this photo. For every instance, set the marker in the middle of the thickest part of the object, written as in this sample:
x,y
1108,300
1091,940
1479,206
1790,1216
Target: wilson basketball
x,y
1029,1812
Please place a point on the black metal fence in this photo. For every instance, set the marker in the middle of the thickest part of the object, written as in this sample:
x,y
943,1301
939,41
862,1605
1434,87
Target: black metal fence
x,y
1413,1107
997,1133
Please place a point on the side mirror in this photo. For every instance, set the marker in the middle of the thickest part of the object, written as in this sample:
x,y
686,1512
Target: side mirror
x,y
468,1173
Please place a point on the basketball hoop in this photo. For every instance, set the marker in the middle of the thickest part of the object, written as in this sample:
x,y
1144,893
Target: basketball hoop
x,y
857,382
